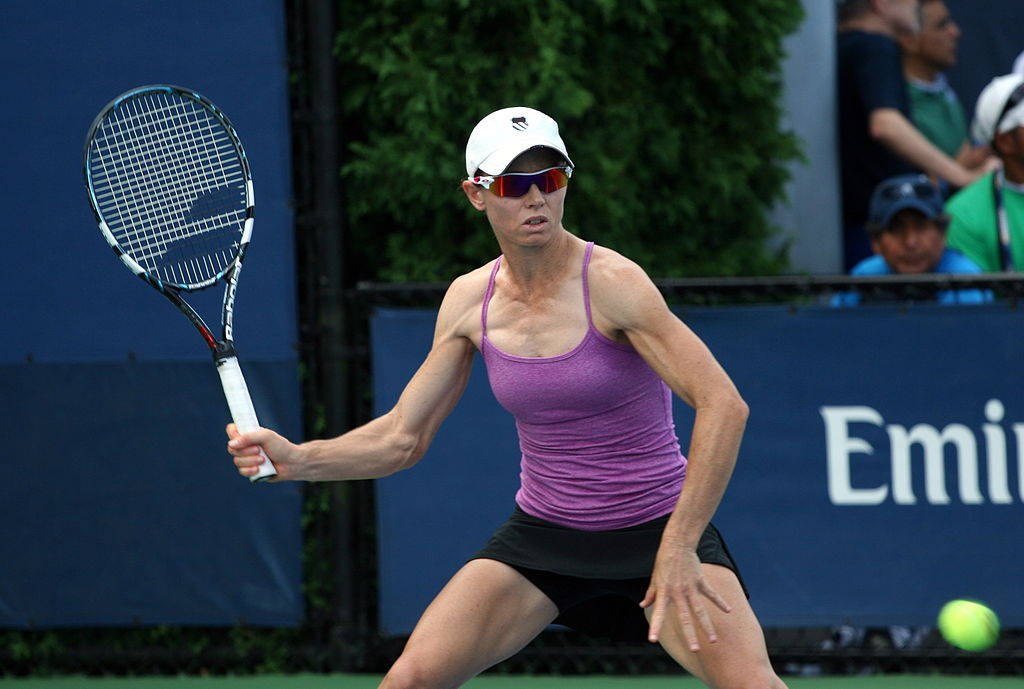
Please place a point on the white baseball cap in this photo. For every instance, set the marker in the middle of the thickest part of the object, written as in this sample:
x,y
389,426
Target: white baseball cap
x,y
990,111
501,136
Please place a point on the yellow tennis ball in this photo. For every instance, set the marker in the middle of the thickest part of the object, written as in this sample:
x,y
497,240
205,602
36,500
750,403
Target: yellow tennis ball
x,y
968,624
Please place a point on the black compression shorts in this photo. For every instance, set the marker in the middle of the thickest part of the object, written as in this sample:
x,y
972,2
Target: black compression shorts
x,y
596,579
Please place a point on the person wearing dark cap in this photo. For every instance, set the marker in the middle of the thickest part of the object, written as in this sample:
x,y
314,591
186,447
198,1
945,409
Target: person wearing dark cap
x,y
907,231
987,218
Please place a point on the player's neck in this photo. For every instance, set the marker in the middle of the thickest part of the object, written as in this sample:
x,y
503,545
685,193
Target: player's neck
x,y
531,267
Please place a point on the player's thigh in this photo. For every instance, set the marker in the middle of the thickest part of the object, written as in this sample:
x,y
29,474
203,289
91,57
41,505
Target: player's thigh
x,y
486,613
739,658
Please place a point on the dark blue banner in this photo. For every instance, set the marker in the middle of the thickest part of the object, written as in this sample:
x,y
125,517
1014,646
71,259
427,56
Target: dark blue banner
x,y
119,501
66,296
879,477
121,505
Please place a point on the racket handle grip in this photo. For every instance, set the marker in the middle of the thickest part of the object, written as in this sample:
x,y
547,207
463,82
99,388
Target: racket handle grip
x,y
242,411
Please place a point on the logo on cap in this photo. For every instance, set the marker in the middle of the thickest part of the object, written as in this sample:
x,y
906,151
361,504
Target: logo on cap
x,y
519,123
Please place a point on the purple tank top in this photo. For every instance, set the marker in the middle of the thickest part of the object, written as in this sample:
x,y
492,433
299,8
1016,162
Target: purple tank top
x,y
599,449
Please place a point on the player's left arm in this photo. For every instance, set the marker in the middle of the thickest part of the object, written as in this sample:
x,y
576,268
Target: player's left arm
x,y
625,298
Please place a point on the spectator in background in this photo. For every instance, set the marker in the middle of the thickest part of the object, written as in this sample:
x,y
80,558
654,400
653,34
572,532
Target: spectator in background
x,y
907,229
934,106
987,217
876,137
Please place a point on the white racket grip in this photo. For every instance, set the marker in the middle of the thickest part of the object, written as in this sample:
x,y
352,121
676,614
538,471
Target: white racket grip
x,y
242,411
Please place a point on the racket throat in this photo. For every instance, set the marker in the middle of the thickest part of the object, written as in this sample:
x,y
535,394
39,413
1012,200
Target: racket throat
x,y
222,351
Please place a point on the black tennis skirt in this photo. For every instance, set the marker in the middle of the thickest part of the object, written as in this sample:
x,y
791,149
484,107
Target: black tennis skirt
x,y
596,579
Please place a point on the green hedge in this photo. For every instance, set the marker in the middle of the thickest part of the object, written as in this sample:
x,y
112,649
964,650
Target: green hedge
x,y
670,110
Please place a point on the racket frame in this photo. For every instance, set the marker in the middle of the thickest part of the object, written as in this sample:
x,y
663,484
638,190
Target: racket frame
x,y
223,348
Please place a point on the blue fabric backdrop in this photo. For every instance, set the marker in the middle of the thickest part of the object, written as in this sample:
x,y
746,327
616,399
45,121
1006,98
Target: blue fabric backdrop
x,y
119,502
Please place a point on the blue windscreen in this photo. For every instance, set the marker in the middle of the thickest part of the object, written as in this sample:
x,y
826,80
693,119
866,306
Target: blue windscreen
x,y
881,464
121,504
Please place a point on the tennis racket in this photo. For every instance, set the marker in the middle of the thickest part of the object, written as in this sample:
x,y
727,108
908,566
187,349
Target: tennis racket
x,y
169,184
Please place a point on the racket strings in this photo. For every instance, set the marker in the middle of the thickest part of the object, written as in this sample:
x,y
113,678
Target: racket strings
x,y
171,185
181,158
205,216
176,159
199,262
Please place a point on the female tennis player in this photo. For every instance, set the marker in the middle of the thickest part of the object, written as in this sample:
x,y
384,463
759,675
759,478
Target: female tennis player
x,y
611,533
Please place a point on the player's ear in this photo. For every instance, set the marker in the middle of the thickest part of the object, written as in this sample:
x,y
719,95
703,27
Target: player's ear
x,y
475,194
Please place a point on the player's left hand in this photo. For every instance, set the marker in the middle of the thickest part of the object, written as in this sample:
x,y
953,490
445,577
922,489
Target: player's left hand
x,y
678,586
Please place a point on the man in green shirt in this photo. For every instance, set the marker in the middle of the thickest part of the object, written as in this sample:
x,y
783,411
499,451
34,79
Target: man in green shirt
x,y
987,217
934,106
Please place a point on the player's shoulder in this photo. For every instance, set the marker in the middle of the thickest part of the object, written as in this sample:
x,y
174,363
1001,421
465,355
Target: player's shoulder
x,y
610,268
470,286
620,289
464,298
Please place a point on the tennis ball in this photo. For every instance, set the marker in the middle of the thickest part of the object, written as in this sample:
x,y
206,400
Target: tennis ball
x,y
968,624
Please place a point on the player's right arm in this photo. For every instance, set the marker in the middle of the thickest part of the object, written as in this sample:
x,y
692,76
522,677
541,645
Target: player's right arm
x,y
398,439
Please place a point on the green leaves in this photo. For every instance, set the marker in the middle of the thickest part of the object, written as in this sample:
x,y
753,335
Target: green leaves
x,y
670,110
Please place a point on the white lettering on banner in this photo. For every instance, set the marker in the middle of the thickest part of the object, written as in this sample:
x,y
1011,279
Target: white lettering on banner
x,y
841,445
934,443
995,440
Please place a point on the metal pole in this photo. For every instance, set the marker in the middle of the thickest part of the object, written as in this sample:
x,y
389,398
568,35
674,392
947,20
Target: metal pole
x,y
329,331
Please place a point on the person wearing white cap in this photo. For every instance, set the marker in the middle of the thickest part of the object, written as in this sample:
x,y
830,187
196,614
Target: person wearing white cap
x,y
501,136
987,217
611,529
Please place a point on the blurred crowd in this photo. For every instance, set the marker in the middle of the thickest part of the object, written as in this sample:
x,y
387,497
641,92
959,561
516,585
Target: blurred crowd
x,y
927,186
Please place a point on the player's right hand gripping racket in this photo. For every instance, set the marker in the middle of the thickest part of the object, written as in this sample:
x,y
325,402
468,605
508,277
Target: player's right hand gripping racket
x,y
170,187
